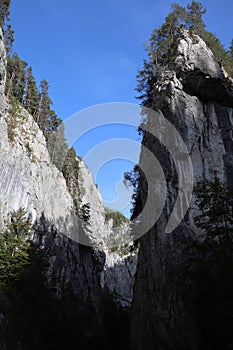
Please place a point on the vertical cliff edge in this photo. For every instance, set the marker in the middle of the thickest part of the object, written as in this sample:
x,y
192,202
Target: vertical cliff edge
x,y
195,94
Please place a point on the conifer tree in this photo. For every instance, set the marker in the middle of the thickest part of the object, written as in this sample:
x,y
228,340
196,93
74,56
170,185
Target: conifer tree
x,y
231,49
4,23
4,11
8,37
57,147
194,17
162,46
14,247
31,95
46,117
16,76
19,225
215,202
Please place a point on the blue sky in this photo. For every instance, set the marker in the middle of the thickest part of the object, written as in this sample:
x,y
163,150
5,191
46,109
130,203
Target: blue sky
x,y
90,51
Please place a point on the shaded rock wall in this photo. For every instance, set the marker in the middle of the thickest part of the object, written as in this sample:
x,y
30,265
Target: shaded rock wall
x,y
196,96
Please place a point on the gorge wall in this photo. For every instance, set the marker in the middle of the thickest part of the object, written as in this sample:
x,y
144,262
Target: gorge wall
x,y
195,94
31,181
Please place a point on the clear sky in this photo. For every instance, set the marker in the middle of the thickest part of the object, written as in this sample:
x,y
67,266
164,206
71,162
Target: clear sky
x,y
90,51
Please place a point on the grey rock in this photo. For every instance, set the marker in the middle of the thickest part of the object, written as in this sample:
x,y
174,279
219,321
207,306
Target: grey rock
x,y
195,95
30,180
119,276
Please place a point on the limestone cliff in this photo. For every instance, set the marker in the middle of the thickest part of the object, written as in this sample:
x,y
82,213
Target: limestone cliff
x,y
30,180
195,94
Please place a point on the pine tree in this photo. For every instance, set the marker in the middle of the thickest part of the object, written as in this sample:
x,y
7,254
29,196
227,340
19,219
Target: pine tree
x,y
16,77
146,78
31,95
19,225
14,248
215,202
162,46
57,147
133,178
8,38
8,32
4,11
231,49
160,52
194,17
46,117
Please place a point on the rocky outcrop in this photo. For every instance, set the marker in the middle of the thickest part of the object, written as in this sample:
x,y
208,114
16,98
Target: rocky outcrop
x,y
195,94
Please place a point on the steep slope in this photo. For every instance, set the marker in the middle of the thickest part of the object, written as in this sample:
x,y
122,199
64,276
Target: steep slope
x,y
195,94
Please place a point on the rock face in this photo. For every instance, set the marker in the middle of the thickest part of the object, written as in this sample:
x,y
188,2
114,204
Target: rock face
x,y
196,95
120,266
30,180
119,276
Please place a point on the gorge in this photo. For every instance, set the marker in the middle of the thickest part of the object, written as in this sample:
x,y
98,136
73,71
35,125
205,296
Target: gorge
x,y
166,290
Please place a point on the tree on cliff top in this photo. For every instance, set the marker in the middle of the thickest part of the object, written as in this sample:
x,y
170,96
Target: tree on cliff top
x,y
162,46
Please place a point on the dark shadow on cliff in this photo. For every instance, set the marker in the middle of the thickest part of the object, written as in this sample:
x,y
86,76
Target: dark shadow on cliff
x,y
58,302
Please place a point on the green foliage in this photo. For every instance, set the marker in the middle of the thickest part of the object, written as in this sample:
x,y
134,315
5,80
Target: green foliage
x,y
133,178
8,37
210,268
161,51
71,167
57,147
73,178
14,247
36,319
12,121
8,33
19,225
231,49
215,201
194,15
16,76
21,88
117,217
146,78
46,117
4,11
30,98
162,46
